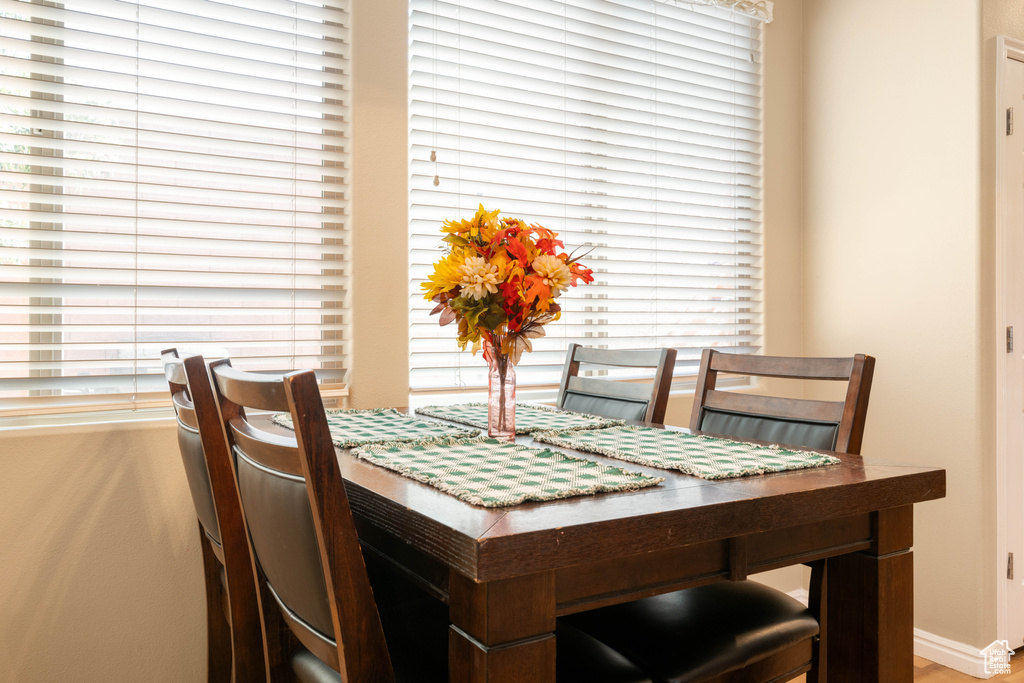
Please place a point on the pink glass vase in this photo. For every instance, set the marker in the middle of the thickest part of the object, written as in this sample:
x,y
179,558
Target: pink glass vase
x,y
501,394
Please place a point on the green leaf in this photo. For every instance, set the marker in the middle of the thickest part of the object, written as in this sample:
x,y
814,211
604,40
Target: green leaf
x,y
492,319
455,240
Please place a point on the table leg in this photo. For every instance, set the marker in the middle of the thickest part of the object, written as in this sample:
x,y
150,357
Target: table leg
x,y
870,614
502,631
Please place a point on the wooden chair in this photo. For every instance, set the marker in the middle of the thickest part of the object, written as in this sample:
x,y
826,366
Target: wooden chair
x,y
234,633
741,631
645,402
318,609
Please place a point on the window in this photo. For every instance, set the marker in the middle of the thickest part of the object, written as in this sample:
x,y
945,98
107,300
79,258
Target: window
x,y
632,127
173,174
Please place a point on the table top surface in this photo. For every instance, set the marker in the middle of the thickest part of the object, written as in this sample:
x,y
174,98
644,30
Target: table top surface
x,y
682,510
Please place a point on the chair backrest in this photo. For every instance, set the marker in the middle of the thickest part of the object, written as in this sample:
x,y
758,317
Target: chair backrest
x,y
617,399
829,425
190,444
211,481
300,525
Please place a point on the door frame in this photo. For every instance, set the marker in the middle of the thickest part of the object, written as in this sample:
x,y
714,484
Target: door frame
x,y
1006,48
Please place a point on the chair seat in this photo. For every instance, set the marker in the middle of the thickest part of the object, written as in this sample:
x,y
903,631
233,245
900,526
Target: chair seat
x,y
616,408
583,659
697,634
417,636
805,433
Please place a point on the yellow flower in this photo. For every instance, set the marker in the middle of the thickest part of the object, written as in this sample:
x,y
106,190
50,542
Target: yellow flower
x,y
486,221
483,220
489,225
446,276
479,278
554,271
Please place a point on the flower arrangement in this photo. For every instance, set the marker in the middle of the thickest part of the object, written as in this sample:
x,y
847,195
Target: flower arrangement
x,y
499,279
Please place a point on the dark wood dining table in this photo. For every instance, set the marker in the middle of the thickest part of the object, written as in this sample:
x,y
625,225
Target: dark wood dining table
x,y
507,573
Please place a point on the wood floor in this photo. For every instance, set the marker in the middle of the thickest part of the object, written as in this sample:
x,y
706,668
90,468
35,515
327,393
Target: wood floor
x,y
931,672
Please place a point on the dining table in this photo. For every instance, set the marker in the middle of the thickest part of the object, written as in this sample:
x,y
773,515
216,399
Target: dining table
x,y
507,573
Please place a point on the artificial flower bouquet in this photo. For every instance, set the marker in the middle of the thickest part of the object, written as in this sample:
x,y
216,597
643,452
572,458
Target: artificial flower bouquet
x,y
499,278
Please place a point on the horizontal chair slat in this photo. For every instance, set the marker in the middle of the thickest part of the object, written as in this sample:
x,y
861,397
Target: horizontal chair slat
x,y
248,389
644,358
174,371
603,387
837,369
792,408
271,450
185,410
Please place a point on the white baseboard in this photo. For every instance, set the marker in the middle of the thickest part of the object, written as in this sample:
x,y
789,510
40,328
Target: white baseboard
x,y
800,594
949,653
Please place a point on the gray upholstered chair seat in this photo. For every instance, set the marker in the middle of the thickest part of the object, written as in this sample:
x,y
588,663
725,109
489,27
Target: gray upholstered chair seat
x,y
619,409
806,433
417,636
281,528
191,446
309,669
583,659
700,633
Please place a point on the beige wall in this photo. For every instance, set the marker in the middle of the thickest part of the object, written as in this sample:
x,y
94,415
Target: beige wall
x,y
100,571
893,266
1002,17
379,375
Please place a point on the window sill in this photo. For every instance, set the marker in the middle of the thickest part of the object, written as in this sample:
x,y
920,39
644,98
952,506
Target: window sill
x,y
85,418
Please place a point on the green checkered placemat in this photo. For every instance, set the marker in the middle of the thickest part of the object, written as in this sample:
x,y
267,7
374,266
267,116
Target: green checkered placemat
x,y
529,417
494,473
384,425
702,456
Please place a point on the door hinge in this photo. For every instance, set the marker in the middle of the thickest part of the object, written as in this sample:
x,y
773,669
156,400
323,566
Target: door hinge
x,y
1009,566
1009,121
1009,339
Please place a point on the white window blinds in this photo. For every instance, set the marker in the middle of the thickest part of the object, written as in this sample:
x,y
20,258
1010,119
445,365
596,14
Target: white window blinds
x,y
172,175
632,127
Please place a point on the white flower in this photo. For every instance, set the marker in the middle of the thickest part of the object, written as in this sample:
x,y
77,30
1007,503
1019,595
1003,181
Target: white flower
x,y
555,273
478,277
